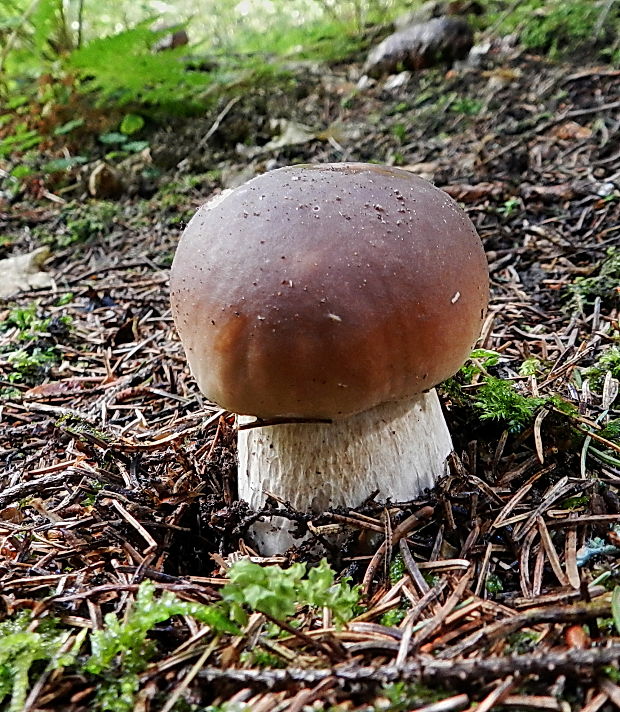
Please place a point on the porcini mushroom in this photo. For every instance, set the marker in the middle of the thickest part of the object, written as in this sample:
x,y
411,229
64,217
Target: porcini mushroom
x,y
338,292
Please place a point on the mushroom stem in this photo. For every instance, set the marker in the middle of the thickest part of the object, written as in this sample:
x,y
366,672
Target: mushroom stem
x,y
399,449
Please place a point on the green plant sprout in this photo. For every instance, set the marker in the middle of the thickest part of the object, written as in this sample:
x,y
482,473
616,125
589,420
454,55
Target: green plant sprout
x,y
131,124
478,362
399,131
30,326
509,207
494,584
24,318
530,367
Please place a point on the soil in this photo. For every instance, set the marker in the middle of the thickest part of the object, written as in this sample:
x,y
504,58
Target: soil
x,y
114,469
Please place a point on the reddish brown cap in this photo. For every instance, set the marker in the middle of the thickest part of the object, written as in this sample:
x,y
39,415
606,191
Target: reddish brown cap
x,y
325,290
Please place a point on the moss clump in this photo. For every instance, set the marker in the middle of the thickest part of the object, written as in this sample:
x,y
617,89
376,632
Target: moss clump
x,y
499,400
604,283
558,27
607,362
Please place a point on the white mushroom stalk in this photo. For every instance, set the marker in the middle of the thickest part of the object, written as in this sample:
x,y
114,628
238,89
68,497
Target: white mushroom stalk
x,y
395,449
340,292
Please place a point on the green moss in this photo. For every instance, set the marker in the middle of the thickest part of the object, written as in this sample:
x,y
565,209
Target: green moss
x,y
31,367
499,400
24,645
604,283
555,26
81,428
607,362
278,592
122,649
9,393
258,657
466,105
397,569
81,222
34,350
393,618
403,696
522,642
494,584
611,430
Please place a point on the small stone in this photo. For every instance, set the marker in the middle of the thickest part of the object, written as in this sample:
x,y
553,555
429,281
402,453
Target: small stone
x,y
440,40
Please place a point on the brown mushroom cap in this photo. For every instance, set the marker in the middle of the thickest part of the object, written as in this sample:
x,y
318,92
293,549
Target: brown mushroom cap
x,y
324,290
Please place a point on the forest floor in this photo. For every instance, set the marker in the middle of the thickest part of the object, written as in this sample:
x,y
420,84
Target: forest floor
x,y
114,469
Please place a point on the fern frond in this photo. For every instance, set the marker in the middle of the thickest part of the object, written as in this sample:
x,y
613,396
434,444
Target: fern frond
x,y
125,68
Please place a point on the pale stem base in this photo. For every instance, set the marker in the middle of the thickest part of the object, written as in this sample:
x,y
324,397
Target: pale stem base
x,y
399,449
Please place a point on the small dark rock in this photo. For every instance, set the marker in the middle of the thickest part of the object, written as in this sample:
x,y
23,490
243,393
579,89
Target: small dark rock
x,y
179,38
440,40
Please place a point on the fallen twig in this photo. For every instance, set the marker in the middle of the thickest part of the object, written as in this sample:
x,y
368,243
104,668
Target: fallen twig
x,y
581,664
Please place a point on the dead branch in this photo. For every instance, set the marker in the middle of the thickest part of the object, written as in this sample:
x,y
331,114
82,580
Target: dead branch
x,y
577,663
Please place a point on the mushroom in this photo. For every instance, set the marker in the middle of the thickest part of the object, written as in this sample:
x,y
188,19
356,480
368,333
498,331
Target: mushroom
x,y
339,293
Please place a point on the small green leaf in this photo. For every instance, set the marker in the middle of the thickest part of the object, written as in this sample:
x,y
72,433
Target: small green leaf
x,y
64,299
112,138
22,171
131,124
20,141
68,127
113,155
62,164
615,607
491,358
16,102
574,502
136,146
